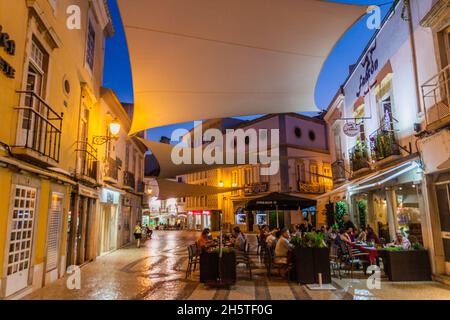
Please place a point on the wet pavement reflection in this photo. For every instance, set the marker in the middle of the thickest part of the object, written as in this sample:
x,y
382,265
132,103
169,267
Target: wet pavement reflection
x,y
156,271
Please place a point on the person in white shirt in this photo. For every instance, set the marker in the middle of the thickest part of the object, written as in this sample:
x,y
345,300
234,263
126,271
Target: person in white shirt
x,y
271,239
402,241
282,247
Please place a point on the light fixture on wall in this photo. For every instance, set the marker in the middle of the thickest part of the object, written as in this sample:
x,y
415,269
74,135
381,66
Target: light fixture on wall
x,y
114,130
221,183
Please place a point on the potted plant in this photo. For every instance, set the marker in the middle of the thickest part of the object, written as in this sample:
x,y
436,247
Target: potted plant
x,y
311,258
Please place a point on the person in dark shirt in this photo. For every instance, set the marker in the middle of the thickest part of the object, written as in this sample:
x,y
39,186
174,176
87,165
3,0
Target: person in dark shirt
x,y
348,223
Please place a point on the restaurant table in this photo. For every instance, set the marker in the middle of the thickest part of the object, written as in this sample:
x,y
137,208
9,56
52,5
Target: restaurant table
x,y
209,266
373,252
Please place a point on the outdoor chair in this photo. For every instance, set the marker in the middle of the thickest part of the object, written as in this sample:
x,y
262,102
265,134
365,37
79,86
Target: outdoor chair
x,y
354,258
193,259
258,248
335,260
243,257
270,262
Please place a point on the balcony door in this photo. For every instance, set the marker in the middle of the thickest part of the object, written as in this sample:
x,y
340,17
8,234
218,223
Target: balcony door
x,y
444,46
32,128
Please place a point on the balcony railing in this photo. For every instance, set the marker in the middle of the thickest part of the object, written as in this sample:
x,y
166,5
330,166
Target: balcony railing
x,y
383,144
436,99
338,169
253,188
87,157
39,126
313,188
129,180
112,169
359,157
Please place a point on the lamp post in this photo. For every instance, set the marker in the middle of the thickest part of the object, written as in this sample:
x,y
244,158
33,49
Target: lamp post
x,y
114,129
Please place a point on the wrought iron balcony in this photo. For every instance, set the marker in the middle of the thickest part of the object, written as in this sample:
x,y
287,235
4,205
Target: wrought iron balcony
x,y
129,180
359,157
87,160
253,188
383,144
436,99
111,170
339,173
39,129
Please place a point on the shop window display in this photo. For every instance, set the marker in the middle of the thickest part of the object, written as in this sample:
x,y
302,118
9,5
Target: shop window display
x,y
408,212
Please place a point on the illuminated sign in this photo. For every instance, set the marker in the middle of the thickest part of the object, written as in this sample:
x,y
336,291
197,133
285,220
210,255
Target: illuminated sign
x,y
204,212
10,48
370,66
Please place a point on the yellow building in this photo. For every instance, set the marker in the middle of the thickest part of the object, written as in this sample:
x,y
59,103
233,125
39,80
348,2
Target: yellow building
x,y
50,81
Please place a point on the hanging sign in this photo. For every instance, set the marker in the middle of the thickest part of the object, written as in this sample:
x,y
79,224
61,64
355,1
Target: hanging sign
x,y
351,129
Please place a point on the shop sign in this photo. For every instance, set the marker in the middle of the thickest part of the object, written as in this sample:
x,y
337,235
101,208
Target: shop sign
x,y
351,129
10,48
370,66
205,212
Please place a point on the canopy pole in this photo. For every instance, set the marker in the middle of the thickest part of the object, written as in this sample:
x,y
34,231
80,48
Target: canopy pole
x,y
278,223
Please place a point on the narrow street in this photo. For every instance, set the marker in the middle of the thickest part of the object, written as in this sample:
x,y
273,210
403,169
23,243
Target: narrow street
x,y
156,271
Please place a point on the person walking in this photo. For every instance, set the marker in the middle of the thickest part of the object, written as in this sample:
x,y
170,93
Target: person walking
x,y
138,234
149,232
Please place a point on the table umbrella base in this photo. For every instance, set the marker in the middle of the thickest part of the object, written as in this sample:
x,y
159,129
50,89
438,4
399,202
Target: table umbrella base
x,y
317,287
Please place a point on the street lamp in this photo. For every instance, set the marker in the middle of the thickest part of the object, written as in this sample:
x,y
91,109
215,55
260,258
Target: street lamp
x,y
114,129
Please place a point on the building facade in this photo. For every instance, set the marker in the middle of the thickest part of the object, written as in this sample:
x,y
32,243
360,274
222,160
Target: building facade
x,y
305,171
376,127
51,171
434,141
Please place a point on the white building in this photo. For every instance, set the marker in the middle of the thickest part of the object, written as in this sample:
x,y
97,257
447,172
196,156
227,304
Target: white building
x,y
374,124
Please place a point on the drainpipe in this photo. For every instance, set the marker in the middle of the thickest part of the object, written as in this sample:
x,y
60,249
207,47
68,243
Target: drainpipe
x,y
407,5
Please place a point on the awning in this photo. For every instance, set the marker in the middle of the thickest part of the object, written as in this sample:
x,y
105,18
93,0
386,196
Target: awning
x,y
204,59
445,165
167,189
380,178
279,201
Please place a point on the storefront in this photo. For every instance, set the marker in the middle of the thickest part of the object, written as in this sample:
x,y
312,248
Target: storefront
x,y
81,222
437,177
108,220
130,215
199,219
390,201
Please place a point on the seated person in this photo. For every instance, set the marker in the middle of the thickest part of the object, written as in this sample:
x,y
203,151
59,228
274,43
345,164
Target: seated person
x,y
351,234
362,236
282,248
263,233
371,236
240,239
203,241
402,241
343,236
271,239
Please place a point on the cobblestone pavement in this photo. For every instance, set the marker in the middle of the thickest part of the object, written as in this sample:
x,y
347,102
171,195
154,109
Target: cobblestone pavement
x,y
156,271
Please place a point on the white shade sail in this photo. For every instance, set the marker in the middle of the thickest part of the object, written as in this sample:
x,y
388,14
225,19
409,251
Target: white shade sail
x,y
203,59
169,169
167,189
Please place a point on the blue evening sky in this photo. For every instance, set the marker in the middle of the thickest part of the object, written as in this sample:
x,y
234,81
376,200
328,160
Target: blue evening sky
x,y
117,72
